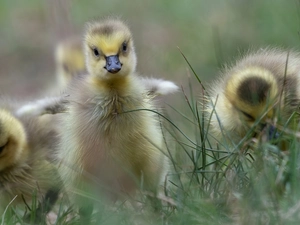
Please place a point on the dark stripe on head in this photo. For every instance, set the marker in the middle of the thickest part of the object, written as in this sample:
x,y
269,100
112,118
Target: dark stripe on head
x,y
107,27
253,90
103,30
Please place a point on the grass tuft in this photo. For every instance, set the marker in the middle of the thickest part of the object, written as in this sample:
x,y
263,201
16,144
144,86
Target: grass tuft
x,y
211,182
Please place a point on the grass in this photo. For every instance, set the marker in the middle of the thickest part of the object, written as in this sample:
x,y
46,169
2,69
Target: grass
x,y
210,182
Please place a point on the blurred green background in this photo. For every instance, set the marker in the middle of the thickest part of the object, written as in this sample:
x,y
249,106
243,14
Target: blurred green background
x,y
209,33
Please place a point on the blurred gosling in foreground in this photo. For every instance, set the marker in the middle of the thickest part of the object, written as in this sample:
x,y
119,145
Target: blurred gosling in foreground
x,y
261,89
24,168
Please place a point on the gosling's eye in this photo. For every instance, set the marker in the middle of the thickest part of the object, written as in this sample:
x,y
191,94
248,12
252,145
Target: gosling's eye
x,y
124,47
248,116
2,148
96,52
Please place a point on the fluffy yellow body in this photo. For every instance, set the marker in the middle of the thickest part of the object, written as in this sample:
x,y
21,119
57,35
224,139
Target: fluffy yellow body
x,y
111,140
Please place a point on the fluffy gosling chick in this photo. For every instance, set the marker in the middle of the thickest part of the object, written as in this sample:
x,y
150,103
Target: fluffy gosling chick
x,y
108,140
70,62
256,88
23,165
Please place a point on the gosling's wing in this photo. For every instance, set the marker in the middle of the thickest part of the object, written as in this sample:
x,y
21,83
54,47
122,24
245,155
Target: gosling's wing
x,y
48,105
157,87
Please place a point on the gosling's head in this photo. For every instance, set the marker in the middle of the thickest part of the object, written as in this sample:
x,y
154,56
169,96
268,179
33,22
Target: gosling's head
x,y
69,59
109,49
252,93
13,142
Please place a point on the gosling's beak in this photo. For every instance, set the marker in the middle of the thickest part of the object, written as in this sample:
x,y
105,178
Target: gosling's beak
x,y
273,134
113,65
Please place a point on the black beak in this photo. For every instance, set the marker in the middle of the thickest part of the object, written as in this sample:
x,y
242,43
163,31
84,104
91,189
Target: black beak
x,y
272,133
113,65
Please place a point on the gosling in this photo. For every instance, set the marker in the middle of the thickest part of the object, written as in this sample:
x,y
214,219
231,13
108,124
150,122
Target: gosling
x,y
69,59
24,170
111,138
261,88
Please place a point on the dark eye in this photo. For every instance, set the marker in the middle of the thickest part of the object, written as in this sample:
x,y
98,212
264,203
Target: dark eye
x,y
2,148
96,52
248,116
124,47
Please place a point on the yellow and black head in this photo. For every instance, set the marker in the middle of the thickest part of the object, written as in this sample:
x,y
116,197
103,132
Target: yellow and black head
x,y
109,49
248,96
253,93
13,141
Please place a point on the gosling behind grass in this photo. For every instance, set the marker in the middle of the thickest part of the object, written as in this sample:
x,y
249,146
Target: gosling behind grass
x,y
261,89
111,140
24,170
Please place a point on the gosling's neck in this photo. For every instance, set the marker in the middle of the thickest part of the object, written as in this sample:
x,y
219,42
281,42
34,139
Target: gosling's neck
x,y
122,86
